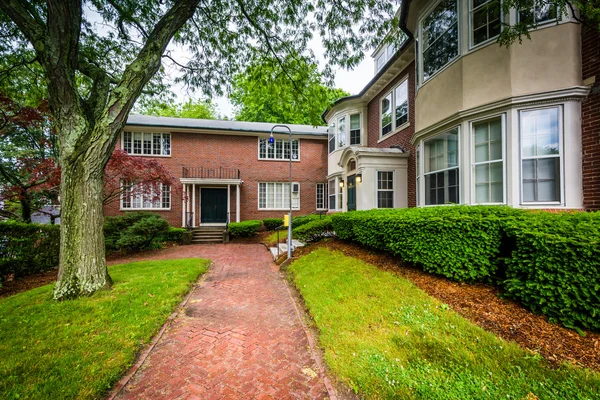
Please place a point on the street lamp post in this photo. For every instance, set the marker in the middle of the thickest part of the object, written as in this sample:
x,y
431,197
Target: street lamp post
x,y
272,142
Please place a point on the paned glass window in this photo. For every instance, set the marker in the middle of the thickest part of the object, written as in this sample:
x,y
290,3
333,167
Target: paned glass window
x,y
147,144
441,169
321,191
279,150
539,13
386,114
385,189
540,155
341,133
439,37
331,190
396,100
276,196
354,129
485,20
331,133
151,197
488,161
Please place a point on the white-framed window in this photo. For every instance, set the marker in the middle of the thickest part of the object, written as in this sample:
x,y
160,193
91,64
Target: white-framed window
x,y
152,198
331,193
380,62
331,137
340,195
441,172
396,100
540,135
488,161
485,20
341,132
279,150
354,129
276,196
321,193
539,12
418,180
147,144
385,189
439,34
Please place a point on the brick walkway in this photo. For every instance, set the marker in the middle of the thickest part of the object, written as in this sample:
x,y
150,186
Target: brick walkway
x,y
238,337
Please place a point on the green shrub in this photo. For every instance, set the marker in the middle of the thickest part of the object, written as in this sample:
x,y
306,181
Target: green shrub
x,y
175,234
28,248
145,234
244,228
313,230
304,219
115,226
272,223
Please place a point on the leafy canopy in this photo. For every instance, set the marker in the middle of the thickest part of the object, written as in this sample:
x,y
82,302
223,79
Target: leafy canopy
x,y
199,109
265,93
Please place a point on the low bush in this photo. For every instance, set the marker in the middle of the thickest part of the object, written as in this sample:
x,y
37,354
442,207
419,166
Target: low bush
x,y
28,248
175,234
304,219
313,230
244,228
272,223
138,231
549,262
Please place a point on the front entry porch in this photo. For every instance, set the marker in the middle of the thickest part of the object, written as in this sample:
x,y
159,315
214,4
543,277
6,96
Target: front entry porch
x,y
207,197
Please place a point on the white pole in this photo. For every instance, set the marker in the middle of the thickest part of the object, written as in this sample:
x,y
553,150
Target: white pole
x,y
237,203
183,207
194,205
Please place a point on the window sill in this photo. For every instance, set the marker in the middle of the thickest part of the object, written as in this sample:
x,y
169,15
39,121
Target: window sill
x,y
144,209
397,130
278,209
148,155
278,160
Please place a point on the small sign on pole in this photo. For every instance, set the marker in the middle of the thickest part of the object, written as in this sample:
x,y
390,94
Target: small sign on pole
x,y
286,220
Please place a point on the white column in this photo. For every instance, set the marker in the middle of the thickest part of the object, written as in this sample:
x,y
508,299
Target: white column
x,y
194,205
183,207
237,203
228,202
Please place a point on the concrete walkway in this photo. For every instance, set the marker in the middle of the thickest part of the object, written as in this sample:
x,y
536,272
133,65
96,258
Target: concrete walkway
x,y
238,337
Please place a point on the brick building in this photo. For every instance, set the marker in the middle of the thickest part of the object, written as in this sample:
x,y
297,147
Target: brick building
x,y
227,169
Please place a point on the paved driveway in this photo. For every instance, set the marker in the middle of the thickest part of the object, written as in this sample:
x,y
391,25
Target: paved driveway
x,y
238,337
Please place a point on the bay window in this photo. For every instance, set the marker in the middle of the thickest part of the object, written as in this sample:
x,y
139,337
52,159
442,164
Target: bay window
x,y
331,138
341,132
331,187
147,144
441,172
439,34
354,129
488,165
540,155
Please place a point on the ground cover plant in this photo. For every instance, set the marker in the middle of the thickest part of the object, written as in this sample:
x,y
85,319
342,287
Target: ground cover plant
x,y
80,348
388,339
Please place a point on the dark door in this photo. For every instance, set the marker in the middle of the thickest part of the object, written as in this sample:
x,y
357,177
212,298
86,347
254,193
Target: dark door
x,y
352,193
213,207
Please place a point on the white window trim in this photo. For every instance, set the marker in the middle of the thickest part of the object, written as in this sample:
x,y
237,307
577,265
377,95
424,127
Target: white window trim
x,y
472,158
286,207
360,126
554,21
470,26
121,208
325,196
458,166
395,129
377,190
282,152
147,155
561,149
422,17
335,123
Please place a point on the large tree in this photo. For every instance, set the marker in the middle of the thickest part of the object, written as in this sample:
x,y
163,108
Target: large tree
x,y
98,56
265,93
199,109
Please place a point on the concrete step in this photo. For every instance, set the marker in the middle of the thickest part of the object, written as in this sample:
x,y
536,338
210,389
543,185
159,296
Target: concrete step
x,y
207,234
207,240
282,248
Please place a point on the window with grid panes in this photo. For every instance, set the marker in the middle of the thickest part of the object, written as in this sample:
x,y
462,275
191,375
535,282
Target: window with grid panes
x,y
441,169
354,129
149,198
331,133
147,144
331,190
385,189
539,13
386,114
321,193
485,20
439,35
279,150
276,196
341,132
540,155
488,163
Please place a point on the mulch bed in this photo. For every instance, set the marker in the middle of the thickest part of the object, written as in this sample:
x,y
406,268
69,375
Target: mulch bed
x,y
18,285
480,304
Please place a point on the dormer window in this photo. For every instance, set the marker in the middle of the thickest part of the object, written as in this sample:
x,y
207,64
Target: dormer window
x,y
439,33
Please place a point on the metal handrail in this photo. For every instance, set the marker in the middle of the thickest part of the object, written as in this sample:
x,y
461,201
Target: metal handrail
x,y
211,173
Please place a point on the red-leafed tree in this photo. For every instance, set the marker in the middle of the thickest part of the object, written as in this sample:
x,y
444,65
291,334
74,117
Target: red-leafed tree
x,y
30,174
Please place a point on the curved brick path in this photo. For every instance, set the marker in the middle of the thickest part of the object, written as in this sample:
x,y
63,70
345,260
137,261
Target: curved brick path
x,y
238,337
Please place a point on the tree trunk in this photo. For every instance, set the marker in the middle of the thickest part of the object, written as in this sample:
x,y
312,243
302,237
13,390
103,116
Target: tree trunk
x,y
82,257
25,207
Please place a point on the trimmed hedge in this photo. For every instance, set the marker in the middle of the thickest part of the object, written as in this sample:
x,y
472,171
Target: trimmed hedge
x,y
313,230
28,248
138,231
304,219
272,223
175,234
244,228
549,262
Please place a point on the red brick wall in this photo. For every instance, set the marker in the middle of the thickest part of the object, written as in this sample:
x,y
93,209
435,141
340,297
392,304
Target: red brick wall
x,y
241,152
590,119
401,138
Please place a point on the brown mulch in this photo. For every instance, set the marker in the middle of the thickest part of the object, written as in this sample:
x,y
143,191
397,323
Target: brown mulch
x,y
480,304
19,285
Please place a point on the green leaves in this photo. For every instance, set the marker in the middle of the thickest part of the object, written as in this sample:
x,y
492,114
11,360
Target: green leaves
x,y
244,228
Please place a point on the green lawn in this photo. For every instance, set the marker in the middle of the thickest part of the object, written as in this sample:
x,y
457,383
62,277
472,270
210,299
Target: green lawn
x,y
80,348
388,339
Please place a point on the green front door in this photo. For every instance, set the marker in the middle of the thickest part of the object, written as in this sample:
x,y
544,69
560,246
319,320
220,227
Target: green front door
x,y
352,193
213,207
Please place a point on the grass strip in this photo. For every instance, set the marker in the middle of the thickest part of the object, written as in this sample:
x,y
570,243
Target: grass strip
x,y
80,348
388,339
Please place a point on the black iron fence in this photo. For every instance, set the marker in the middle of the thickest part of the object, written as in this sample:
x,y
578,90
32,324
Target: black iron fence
x,y
211,173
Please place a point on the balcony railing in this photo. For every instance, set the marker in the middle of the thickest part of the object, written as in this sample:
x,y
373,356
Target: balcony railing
x,y
211,173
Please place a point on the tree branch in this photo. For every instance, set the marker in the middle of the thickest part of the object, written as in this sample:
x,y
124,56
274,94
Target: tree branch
x,y
30,24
